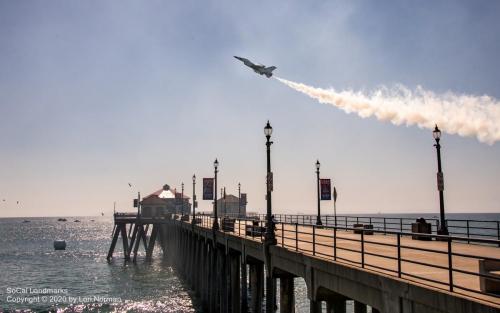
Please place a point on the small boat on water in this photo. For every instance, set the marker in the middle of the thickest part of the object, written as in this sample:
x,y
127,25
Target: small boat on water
x,y
61,220
77,221
59,245
26,221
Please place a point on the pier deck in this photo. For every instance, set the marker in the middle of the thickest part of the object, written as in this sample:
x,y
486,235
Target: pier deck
x,y
389,271
425,263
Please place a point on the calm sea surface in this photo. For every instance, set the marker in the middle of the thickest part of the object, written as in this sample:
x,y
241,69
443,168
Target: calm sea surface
x,y
28,260
33,276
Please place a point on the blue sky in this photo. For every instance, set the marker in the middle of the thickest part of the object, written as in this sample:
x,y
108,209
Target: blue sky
x,y
96,94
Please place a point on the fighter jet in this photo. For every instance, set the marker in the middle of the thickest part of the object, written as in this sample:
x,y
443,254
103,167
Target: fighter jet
x,y
258,68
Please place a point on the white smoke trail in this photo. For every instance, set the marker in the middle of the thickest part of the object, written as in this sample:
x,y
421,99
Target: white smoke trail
x,y
465,115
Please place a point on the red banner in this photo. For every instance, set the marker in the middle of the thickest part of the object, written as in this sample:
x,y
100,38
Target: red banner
x,y
326,189
208,188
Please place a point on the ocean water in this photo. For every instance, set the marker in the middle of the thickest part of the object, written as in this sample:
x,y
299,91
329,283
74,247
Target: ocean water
x,y
35,277
79,279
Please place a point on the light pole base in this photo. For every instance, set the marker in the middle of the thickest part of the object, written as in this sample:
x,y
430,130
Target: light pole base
x,y
270,241
319,222
215,225
443,231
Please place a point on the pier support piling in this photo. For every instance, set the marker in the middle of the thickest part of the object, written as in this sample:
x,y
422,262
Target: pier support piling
x,y
244,286
256,286
336,305
315,306
235,283
123,228
359,307
287,294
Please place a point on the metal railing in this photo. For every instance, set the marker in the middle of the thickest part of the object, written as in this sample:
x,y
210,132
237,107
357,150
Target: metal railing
x,y
486,229
393,255
445,262
456,227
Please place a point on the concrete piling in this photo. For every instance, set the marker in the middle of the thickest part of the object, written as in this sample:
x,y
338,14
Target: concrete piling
x,y
287,295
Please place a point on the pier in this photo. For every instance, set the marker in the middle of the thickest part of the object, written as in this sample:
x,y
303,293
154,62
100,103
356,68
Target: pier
x,y
386,270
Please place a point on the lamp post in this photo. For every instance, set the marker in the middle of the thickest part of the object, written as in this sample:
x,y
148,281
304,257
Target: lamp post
x,y
239,199
182,199
215,225
194,199
270,237
443,230
318,218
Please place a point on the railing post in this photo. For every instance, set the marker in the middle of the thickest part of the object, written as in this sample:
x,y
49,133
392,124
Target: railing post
x,y
282,235
450,264
385,229
335,243
468,233
314,239
362,248
401,224
399,255
296,236
498,232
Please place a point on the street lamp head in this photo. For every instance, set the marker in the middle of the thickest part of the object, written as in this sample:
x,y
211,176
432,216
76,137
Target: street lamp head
x,y
194,178
436,133
216,164
317,164
239,185
182,185
268,130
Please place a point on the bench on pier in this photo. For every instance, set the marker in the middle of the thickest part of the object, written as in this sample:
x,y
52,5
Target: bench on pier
x,y
491,268
360,228
255,230
185,218
228,224
421,227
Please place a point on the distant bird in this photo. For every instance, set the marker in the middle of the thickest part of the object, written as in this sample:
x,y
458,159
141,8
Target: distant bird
x,y
3,200
17,202
129,184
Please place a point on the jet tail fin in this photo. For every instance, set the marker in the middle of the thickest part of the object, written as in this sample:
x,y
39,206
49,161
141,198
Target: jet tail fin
x,y
271,68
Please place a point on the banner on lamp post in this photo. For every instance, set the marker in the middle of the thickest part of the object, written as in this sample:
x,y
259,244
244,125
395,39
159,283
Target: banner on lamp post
x,y
208,188
326,189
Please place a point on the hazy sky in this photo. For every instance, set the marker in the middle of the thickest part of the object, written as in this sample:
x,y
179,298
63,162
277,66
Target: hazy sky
x,y
96,94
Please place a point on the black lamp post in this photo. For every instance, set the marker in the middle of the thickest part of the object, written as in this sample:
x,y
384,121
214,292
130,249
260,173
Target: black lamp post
x,y
318,218
270,237
443,230
194,199
239,199
215,225
182,199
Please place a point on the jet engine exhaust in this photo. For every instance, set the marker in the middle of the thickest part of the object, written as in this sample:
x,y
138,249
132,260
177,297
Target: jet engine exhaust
x,y
465,115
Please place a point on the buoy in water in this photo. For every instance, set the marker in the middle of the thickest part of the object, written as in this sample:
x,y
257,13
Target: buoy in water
x,y
59,244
